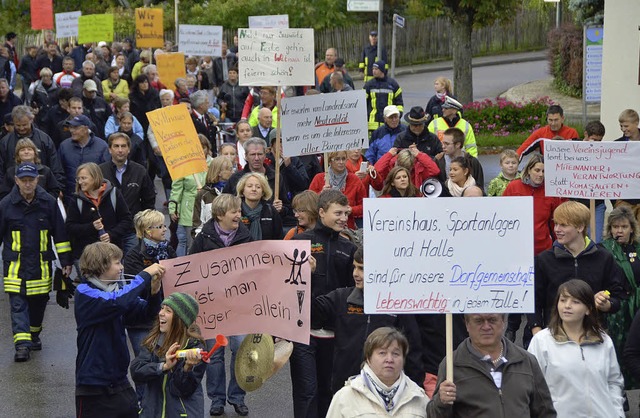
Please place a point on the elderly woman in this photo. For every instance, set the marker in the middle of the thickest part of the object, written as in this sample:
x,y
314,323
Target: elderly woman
x,y
621,235
224,229
258,214
381,388
181,91
338,178
43,95
97,211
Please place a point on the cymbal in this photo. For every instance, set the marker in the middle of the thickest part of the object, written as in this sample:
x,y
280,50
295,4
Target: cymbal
x,y
254,361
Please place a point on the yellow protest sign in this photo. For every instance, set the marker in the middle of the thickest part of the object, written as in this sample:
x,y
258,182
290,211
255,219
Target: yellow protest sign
x,y
170,67
95,28
149,30
178,140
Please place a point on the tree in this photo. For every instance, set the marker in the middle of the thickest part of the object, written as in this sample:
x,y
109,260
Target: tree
x,y
466,15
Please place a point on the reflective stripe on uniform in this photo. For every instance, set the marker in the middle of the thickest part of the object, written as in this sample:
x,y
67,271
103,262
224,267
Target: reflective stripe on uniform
x,y
44,234
35,329
21,336
63,247
15,241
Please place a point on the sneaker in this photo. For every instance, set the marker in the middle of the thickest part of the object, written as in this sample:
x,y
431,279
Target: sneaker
x,y
216,411
36,344
22,354
241,409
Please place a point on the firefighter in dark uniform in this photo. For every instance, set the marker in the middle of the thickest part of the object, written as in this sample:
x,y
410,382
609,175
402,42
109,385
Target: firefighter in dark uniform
x,y
29,218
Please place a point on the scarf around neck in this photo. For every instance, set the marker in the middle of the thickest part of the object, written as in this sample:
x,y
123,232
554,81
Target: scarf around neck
x,y
156,250
225,236
388,395
337,181
253,215
455,190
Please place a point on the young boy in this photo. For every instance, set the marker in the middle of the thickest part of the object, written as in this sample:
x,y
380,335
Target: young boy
x,y
343,311
311,364
102,303
509,165
629,121
594,131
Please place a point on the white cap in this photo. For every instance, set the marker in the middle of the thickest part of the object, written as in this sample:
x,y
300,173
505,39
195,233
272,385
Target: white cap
x,y
391,110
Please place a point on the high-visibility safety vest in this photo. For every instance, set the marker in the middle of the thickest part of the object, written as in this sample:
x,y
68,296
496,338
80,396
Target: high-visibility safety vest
x,y
439,125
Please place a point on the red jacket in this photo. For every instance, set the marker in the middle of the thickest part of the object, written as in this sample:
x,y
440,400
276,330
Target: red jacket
x,y
537,136
423,168
543,207
353,189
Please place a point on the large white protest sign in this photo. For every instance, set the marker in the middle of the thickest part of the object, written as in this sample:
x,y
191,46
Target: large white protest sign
x,y
592,170
454,255
200,40
276,57
324,123
269,22
67,24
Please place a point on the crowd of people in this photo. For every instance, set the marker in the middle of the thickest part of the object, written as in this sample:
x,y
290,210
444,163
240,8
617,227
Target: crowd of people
x,y
78,162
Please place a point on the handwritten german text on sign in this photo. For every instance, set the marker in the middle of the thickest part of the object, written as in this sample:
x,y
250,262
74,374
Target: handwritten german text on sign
x,y
259,287
324,123
592,170
41,14
178,140
200,40
95,28
276,57
149,28
268,22
67,24
457,255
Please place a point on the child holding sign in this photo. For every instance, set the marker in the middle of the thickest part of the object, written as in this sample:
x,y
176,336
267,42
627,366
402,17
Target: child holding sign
x,y
173,385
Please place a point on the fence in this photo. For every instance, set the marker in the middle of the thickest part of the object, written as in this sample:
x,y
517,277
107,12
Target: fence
x,y
420,41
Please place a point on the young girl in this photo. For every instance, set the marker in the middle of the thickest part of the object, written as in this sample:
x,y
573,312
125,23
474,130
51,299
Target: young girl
x,y
398,184
442,86
173,385
577,358
460,177
509,165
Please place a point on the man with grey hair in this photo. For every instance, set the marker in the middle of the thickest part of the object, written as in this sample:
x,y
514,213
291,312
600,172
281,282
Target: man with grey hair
x,y
23,128
181,91
88,72
255,150
151,71
203,121
102,67
492,376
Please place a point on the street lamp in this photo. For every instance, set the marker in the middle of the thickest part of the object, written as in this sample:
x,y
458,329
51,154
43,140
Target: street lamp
x,y
558,11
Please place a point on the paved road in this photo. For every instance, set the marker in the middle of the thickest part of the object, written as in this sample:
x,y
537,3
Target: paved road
x,y
44,386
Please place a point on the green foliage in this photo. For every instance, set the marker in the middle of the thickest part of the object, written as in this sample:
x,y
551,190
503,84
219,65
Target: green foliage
x,y
587,11
479,12
502,118
565,59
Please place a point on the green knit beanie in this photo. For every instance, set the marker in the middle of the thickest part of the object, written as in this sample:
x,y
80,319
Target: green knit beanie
x,y
183,305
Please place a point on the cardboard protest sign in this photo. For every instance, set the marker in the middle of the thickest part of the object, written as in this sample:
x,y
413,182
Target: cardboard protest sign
x,y
149,28
95,28
458,255
170,67
200,40
259,287
592,170
178,140
269,22
67,24
275,57
324,123
41,14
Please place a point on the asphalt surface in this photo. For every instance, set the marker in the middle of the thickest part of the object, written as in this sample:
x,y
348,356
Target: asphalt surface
x,y
44,386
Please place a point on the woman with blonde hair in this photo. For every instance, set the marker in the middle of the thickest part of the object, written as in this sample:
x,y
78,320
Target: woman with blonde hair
x,y
220,170
262,219
421,167
443,88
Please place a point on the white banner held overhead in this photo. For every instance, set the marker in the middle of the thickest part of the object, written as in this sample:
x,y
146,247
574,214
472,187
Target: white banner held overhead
x,y
269,22
200,40
592,170
67,24
275,57
448,255
324,123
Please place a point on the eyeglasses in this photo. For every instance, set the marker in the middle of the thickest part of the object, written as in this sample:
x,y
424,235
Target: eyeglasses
x,y
158,227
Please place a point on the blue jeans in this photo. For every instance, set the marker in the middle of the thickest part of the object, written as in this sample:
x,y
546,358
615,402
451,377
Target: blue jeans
x,y
217,379
128,242
184,240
